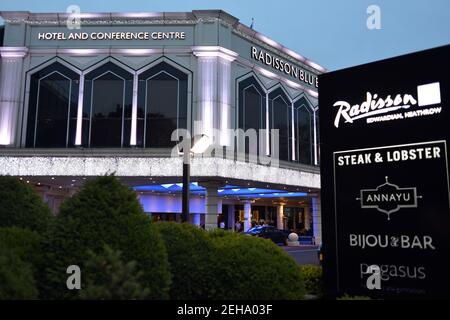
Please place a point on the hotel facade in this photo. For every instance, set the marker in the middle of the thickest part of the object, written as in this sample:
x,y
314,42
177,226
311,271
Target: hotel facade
x,y
105,95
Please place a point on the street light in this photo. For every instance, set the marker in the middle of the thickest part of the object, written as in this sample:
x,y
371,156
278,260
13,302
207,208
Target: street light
x,y
199,145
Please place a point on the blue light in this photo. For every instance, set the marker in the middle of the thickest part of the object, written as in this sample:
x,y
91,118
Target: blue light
x,y
228,190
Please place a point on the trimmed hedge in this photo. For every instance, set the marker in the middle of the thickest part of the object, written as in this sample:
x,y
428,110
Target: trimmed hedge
x,y
312,277
16,277
25,243
21,206
191,254
109,277
251,268
105,212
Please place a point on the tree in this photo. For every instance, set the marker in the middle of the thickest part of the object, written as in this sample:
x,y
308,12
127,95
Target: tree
x,y
21,206
16,277
105,212
108,277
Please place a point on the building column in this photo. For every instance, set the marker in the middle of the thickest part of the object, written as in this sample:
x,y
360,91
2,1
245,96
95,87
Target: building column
x,y
231,221
213,93
10,92
317,219
211,204
280,216
196,219
247,215
306,218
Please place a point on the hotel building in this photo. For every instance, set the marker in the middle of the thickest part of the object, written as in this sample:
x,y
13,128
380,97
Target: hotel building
x,y
104,94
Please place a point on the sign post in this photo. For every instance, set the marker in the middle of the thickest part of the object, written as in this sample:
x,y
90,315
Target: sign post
x,y
385,130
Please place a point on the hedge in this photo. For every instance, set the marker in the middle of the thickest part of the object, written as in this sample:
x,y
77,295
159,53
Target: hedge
x,y
105,212
109,277
312,277
252,268
16,277
26,244
191,254
21,206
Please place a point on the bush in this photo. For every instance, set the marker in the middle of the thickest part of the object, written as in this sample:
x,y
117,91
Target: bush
x,y
25,243
252,268
312,278
105,212
109,277
21,206
16,277
190,254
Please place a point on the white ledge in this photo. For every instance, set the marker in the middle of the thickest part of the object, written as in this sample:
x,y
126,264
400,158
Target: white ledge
x,y
154,167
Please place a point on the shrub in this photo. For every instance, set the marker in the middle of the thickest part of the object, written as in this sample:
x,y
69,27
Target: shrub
x,y
21,206
26,244
253,268
16,277
105,212
190,254
109,277
312,278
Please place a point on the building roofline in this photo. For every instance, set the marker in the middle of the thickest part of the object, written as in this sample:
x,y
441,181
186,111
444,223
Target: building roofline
x,y
194,16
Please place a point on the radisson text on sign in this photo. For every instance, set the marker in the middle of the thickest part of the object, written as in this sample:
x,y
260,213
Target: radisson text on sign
x,y
285,67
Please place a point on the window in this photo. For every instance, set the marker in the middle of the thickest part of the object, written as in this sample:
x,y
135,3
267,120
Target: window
x,y
107,107
280,118
252,108
52,109
317,137
303,127
162,105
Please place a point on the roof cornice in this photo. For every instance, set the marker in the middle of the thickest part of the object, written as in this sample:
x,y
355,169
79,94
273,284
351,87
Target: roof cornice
x,y
160,18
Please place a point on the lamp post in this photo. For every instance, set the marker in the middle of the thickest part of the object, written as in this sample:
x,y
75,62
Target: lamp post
x,y
199,145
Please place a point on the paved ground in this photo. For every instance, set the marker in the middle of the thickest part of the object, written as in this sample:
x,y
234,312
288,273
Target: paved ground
x,y
305,254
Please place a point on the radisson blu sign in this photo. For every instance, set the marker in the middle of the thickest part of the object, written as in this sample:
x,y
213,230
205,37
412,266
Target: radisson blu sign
x,y
384,130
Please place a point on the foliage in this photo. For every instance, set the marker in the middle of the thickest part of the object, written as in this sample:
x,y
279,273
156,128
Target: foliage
x,y
251,268
16,277
108,277
21,206
312,277
190,254
105,212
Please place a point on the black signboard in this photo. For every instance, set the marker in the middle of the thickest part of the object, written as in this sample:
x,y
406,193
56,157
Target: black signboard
x,y
384,130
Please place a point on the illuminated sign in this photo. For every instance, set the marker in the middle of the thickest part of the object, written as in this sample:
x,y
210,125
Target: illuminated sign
x,y
158,35
377,109
385,185
285,67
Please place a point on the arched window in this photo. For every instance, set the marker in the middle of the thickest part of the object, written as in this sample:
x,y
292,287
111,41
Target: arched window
x,y
304,131
52,108
162,105
280,118
107,107
252,108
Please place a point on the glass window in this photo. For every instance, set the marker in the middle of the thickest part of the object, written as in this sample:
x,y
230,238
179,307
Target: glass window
x,y
252,108
52,109
304,132
280,118
107,107
162,105
317,137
